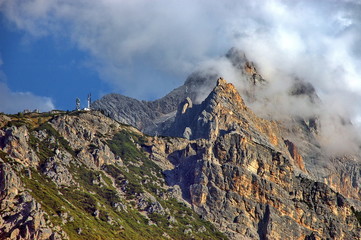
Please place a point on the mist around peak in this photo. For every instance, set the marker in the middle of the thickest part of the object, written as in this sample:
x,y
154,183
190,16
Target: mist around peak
x,y
160,43
284,97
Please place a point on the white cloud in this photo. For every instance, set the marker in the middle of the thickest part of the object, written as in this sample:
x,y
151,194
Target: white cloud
x,y
129,38
13,102
143,46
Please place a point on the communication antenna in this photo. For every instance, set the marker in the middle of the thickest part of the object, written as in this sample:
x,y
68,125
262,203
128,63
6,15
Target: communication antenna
x,y
89,100
77,102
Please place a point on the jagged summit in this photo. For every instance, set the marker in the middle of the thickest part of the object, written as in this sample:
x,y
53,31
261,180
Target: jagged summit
x,y
223,111
84,175
253,177
152,117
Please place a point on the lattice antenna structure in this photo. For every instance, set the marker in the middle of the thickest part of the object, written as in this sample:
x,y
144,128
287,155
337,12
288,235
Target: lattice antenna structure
x,y
77,104
89,100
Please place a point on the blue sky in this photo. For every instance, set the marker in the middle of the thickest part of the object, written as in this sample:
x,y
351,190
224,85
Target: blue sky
x,y
46,67
52,51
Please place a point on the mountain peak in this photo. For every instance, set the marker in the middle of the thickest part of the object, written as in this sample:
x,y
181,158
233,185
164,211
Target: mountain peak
x,y
222,112
227,93
221,81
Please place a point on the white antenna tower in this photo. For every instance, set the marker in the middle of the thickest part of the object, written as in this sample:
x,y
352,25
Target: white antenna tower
x,y
89,100
77,104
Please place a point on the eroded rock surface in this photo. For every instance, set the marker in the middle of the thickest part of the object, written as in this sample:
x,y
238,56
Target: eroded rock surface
x,y
82,174
240,174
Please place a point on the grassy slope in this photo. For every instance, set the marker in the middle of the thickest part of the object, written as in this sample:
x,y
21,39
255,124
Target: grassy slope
x,y
81,202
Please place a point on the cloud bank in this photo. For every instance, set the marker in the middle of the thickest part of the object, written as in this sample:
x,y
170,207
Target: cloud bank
x,y
172,37
145,48
14,102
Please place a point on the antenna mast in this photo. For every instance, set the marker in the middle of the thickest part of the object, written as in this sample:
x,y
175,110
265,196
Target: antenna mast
x,y
77,104
89,100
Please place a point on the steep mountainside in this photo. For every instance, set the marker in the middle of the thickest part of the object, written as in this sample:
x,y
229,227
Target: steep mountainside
x,y
155,116
342,173
86,176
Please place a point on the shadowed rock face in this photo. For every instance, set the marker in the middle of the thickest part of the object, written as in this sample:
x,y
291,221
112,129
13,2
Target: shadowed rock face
x,y
175,115
154,117
250,177
85,176
239,173
235,170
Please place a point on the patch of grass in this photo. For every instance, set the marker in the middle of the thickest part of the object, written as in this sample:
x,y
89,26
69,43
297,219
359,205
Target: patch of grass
x,y
185,216
44,149
86,177
133,185
159,219
30,120
61,141
82,200
78,203
357,214
3,155
45,192
18,123
123,144
96,192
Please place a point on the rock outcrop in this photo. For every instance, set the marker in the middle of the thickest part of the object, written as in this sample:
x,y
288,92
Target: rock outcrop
x,y
240,174
22,217
219,172
83,175
160,117
154,117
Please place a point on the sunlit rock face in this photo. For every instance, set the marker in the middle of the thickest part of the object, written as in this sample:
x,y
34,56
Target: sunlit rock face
x,y
238,172
85,174
154,117
61,175
221,112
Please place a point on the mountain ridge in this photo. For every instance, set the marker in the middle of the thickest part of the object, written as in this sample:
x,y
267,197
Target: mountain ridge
x,y
302,131
86,176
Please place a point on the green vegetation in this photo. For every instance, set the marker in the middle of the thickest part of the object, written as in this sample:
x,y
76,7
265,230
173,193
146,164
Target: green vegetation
x,y
46,148
60,140
87,177
30,120
123,144
357,214
17,123
94,204
80,204
3,155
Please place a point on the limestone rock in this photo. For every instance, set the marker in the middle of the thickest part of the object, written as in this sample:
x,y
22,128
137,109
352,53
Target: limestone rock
x,y
20,215
242,176
230,166
14,141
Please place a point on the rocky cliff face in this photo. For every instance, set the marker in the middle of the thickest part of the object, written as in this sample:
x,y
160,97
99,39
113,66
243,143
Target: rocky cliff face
x,y
181,114
247,180
86,176
154,117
